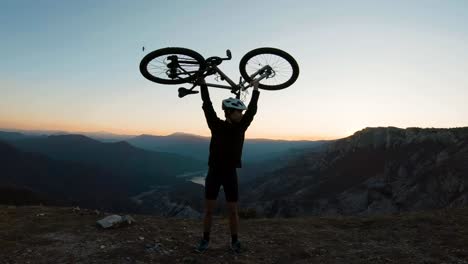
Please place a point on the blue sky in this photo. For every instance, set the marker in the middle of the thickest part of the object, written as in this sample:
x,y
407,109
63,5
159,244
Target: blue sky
x,y
73,65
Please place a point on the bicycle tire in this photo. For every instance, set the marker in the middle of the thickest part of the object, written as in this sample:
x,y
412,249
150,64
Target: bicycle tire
x,y
270,51
146,62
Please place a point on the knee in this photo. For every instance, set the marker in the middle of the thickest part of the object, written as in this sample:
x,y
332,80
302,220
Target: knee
x,y
208,212
233,211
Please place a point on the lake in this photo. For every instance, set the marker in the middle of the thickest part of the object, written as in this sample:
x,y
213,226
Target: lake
x,y
197,177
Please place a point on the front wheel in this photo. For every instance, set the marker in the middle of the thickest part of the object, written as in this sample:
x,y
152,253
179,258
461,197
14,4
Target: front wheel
x,y
172,65
284,73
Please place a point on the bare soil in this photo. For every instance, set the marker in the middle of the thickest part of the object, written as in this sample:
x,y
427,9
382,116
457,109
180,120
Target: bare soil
x,y
36,234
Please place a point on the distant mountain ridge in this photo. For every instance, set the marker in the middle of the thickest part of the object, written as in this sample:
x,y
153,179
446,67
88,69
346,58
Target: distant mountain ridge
x,y
376,170
146,167
30,178
186,144
128,162
198,146
8,136
101,135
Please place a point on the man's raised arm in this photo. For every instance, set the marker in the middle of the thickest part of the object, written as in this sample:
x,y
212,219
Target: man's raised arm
x,y
210,114
251,108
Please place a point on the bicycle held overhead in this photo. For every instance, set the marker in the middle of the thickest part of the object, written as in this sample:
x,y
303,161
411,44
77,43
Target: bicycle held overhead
x,y
266,68
272,68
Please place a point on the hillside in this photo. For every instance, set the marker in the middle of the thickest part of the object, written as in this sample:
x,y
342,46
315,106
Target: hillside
x,y
59,235
29,178
144,167
384,169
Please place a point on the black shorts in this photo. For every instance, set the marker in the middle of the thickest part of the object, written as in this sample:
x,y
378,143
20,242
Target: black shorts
x,y
225,177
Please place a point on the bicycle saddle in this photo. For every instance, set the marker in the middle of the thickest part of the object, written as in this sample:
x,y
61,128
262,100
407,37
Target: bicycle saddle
x,y
184,91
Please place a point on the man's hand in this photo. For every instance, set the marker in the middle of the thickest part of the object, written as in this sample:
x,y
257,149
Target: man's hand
x,y
254,85
200,81
205,95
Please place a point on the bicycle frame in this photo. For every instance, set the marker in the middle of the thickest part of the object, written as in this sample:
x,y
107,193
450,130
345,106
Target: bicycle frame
x,y
236,88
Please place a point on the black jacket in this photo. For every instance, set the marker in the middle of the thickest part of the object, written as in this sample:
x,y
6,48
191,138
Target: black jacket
x,y
227,139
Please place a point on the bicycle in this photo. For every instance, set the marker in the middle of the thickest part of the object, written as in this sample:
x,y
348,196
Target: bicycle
x,y
272,68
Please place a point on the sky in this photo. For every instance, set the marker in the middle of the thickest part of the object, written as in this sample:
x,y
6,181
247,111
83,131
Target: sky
x,y
73,65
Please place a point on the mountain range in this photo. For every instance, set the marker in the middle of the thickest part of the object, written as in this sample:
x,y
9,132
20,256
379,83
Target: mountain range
x,y
126,169
376,170
195,146
27,178
145,167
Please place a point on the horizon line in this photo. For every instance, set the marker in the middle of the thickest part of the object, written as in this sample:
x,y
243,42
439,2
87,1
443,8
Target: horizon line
x,y
116,134
52,131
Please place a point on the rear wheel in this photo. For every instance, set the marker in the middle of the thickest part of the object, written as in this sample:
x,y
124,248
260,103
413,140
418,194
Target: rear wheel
x,y
285,69
172,65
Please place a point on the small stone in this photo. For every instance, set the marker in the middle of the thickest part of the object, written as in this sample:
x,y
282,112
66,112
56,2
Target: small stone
x,y
110,221
141,238
128,219
102,246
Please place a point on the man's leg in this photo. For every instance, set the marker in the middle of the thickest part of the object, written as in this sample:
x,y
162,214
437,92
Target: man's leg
x,y
208,217
232,196
233,218
234,226
212,186
211,192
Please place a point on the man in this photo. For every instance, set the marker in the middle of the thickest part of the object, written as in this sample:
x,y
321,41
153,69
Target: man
x,y
227,140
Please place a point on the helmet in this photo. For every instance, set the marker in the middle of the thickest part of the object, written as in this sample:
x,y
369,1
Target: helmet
x,y
233,103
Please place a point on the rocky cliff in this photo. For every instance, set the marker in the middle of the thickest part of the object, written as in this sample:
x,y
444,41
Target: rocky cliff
x,y
376,170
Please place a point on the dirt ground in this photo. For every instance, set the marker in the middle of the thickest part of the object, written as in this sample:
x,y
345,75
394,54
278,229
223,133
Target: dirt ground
x,y
60,235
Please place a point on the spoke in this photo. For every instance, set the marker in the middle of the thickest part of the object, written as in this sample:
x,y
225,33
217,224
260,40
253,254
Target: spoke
x,y
286,76
161,61
255,61
162,72
282,62
157,66
277,62
283,70
268,58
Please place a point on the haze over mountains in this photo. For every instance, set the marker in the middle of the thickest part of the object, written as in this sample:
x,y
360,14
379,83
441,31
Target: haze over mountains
x,y
185,144
376,170
197,146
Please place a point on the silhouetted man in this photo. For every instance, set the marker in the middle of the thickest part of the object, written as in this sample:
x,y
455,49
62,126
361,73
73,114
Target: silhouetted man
x,y
227,140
